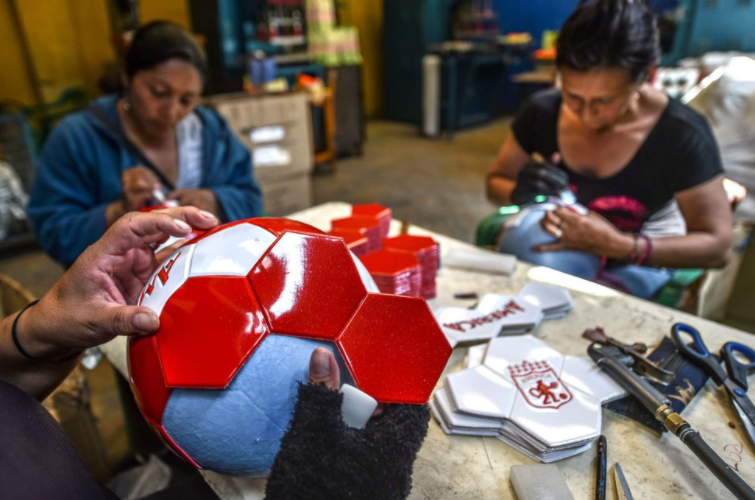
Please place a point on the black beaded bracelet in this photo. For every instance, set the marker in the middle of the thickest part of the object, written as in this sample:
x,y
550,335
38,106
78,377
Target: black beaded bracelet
x,y
14,331
14,336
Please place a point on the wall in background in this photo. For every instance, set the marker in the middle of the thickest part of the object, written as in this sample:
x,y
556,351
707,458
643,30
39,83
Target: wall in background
x,y
170,10
533,16
368,17
47,46
715,25
16,83
68,43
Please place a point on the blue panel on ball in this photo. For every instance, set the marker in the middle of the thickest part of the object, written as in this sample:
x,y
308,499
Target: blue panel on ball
x,y
519,240
238,430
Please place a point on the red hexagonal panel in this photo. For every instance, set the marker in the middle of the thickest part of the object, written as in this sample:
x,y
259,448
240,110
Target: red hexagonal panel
x,y
395,349
278,226
378,212
148,385
355,240
410,243
369,226
208,329
146,377
308,285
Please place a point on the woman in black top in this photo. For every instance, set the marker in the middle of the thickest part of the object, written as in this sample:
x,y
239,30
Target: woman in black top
x,y
647,168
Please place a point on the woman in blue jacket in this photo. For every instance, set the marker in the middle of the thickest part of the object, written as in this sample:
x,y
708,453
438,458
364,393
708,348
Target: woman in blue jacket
x,y
149,144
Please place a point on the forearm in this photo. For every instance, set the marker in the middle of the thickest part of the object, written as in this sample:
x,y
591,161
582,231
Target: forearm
x,y
36,378
499,189
695,250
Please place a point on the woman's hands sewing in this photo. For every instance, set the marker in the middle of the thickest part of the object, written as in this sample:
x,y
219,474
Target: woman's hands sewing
x,y
588,233
95,300
203,199
139,186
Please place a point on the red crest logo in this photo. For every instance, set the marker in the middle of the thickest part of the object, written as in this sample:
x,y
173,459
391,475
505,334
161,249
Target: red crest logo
x,y
540,385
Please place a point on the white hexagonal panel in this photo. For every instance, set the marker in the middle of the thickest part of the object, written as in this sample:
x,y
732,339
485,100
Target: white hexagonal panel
x,y
479,391
548,297
548,405
171,274
504,352
577,419
462,423
231,252
466,326
516,314
586,376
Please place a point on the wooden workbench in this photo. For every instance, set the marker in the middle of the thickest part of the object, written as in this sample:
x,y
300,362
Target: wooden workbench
x,y
478,468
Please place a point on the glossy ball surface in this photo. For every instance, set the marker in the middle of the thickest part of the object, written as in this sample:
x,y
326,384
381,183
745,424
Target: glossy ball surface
x,y
241,309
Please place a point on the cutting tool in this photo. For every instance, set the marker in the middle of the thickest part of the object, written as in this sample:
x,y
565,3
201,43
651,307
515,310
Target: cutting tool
x,y
622,488
734,378
657,404
640,363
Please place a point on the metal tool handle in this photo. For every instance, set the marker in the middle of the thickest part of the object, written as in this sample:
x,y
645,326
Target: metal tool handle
x,y
648,395
600,482
738,370
655,402
697,352
715,464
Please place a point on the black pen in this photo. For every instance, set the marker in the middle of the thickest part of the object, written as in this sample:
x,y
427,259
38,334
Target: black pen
x,y
601,468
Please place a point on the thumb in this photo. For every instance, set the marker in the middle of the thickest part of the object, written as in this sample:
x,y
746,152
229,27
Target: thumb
x,y
128,320
556,158
324,369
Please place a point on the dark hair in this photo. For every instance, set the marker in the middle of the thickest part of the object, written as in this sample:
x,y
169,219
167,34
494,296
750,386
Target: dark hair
x,y
610,34
159,41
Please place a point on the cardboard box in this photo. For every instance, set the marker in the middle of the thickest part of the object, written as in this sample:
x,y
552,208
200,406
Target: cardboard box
x,y
286,195
288,147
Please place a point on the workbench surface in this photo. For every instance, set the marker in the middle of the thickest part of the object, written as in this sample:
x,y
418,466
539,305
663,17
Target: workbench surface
x,y
462,467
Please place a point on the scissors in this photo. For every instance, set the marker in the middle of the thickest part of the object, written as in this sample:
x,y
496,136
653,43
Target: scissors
x,y
734,379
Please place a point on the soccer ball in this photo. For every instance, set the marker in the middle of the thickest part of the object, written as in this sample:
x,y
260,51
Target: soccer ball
x,y
524,231
241,309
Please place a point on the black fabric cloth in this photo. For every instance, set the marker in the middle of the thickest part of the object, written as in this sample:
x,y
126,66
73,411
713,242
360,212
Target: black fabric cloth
x,y
322,458
37,459
537,179
679,153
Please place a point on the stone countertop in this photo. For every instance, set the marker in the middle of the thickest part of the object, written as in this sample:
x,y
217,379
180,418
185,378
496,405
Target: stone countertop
x,y
472,467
